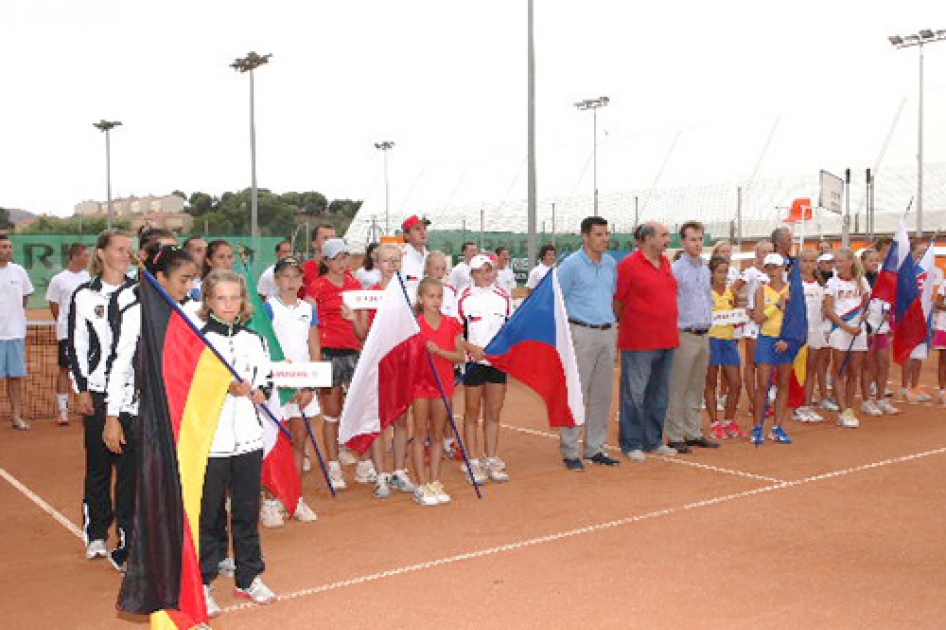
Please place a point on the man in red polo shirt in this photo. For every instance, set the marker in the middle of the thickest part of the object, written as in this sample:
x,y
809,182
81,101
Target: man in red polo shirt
x,y
310,268
646,305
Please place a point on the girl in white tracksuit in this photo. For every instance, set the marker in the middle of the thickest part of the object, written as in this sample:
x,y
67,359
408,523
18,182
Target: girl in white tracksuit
x,y
236,455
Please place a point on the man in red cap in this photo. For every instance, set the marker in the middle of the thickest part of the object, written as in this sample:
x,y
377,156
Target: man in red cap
x,y
414,230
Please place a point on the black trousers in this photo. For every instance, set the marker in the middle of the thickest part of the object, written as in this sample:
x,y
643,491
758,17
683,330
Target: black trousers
x,y
98,508
239,476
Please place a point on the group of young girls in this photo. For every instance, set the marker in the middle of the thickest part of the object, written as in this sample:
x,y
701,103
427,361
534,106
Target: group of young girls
x,y
848,341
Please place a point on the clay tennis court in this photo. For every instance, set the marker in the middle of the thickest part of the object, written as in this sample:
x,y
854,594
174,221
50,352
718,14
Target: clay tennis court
x,y
843,529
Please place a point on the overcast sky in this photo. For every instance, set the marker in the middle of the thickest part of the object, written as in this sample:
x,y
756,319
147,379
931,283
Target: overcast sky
x,y
446,81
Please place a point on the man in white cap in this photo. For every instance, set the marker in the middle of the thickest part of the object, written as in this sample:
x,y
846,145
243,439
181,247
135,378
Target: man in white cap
x,y
414,230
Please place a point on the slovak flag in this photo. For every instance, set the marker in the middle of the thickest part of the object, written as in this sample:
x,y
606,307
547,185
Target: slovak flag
x,y
382,387
535,347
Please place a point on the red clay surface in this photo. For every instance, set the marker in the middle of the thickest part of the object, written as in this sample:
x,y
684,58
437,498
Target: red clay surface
x,y
843,529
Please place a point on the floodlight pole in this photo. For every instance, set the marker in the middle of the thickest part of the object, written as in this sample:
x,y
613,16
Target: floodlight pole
x,y
244,65
531,211
593,104
919,39
384,147
107,126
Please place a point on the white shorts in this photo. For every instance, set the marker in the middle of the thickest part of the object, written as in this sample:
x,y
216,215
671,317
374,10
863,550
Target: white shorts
x,y
750,330
817,339
921,352
840,340
291,410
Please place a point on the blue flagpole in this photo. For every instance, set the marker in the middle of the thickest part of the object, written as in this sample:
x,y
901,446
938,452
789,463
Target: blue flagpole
x,y
446,402
318,454
174,305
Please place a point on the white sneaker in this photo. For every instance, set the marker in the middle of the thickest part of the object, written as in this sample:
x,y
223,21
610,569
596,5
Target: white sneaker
x,y
495,469
257,592
802,414
814,416
96,549
440,492
335,476
922,395
475,471
636,455
885,406
830,404
425,495
665,450
365,472
381,488
871,408
306,464
346,457
227,567
941,398
213,608
304,513
270,514
400,480
848,419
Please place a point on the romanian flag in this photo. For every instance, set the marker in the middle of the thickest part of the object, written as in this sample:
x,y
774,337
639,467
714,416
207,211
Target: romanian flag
x,y
183,384
795,334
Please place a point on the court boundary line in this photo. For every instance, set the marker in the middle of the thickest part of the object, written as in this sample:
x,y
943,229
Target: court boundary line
x,y
588,529
672,460
41,503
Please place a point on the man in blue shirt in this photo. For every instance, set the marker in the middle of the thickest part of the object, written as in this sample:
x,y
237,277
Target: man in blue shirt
x,y
588,279
684,424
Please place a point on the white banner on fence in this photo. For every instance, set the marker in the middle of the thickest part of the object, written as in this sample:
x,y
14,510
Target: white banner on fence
x,y
832,190
357,300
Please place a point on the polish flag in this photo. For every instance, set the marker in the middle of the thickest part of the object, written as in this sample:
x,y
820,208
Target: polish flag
x,y
280,475
381,390
535,347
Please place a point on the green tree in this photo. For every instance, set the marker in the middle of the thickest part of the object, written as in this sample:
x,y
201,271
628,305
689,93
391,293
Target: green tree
x,y
200,204
72,225
5,222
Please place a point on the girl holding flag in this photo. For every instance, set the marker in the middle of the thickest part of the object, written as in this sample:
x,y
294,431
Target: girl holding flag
x,y
773,363
296,326
724,355
845,299
877,361
236,454
752,277
443,340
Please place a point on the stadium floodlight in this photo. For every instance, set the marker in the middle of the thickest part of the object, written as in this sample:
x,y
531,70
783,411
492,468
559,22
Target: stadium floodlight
x,y
384,147
594,104
926,36
248,64
107,126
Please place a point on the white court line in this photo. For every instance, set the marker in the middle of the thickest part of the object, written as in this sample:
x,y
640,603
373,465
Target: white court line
x,y
35,498
672,460
589,529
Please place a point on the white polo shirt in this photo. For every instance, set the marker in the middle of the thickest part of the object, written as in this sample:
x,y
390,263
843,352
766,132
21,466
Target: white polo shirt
x,y
60,291
14,286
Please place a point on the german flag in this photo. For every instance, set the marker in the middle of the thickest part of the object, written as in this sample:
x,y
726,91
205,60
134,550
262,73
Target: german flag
x,y
182,384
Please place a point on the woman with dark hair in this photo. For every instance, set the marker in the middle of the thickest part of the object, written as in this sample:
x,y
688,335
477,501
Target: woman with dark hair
x,y
219,256
369,274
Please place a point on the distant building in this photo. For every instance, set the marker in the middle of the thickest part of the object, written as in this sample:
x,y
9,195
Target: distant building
x,y
132,208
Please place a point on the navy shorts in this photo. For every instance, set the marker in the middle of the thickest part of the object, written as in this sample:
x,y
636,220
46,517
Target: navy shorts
x,y
478,374
765,352
724,352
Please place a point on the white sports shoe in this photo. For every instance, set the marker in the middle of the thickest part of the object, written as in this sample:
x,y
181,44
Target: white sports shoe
x,y
400,480
426,496
830,404
440,492
475,471
365,472
346,457
802,414
871,408
336,477
304,513
213,608
381,488
885,406
665,450
495,469
848,419
636,455
257,592
270,514
96,549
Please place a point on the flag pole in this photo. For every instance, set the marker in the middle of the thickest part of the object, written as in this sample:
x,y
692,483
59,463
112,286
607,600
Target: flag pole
x,y
446,402
167,298
318,454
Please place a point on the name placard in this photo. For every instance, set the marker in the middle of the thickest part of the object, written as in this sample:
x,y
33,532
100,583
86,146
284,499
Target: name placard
x,y
732,317
359,300
300,375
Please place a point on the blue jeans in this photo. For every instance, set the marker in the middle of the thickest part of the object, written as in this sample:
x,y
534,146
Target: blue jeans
x,y
645,383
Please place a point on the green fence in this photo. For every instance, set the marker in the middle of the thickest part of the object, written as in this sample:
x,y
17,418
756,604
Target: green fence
x,y
45,255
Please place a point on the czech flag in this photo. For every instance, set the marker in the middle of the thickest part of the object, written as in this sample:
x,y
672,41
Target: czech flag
x,y
183,384
535,347
382,387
